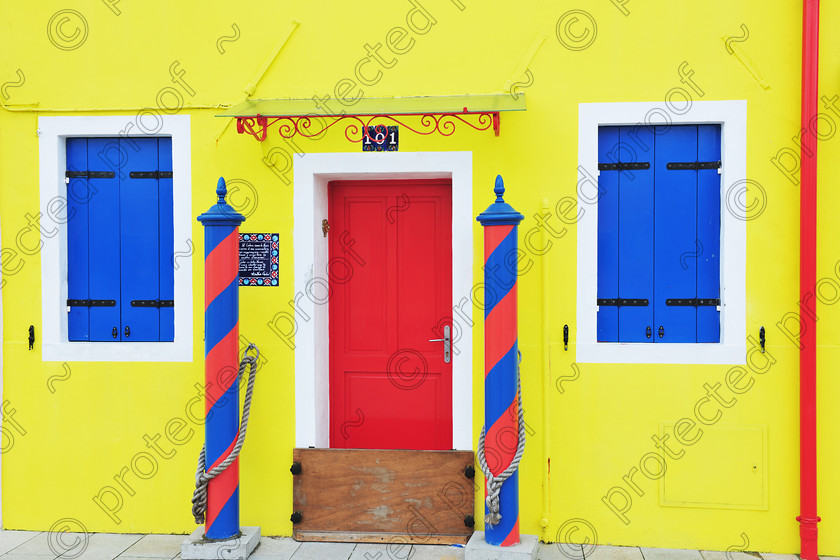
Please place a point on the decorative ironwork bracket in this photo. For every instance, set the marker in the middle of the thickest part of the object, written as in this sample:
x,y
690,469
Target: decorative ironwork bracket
x,y
315,126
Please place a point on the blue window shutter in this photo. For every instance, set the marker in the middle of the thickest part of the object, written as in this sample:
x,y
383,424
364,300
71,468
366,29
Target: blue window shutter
x,y
636,234
607,236
104,239
78,195
708,233
139,241
167,241
676,234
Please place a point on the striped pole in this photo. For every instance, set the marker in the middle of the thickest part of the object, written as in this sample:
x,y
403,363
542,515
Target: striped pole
x,y
221,343
501,412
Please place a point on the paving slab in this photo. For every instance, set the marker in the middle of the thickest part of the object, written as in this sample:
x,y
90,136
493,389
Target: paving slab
x,y
670,554
9,540
155,546
731,555
436,552
323,551
774,556
97,546
606,552
41,545
560,551
275,548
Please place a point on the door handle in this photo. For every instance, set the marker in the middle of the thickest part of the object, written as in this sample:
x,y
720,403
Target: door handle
x,y
447,344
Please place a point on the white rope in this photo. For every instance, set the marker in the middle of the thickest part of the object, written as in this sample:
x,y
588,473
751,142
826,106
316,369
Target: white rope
x,y
494,483
199,499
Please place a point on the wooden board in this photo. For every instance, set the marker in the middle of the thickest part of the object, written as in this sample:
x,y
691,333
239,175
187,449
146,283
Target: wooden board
x,y
383,495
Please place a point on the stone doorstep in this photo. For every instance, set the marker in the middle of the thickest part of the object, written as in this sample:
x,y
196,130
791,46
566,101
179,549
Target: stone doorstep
x,y
196,547
478,549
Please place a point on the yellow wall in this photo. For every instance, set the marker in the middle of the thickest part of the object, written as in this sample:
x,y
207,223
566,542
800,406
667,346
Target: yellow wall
x,y
89,427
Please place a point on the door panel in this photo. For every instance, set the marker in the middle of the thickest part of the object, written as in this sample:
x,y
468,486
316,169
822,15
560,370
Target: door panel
x,y
390,388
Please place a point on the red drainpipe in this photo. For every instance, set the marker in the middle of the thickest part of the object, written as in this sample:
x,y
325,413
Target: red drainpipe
x,y
808,517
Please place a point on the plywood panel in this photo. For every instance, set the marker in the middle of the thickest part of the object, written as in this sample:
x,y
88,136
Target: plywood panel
x,y
375,495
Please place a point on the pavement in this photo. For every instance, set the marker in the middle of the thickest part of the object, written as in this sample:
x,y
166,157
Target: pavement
x,y
33,545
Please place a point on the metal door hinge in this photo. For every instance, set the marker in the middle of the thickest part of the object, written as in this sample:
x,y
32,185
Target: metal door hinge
x,y
620,302
152,303
624,166
89,174
91,303
32,337
325,226
693,165
693,302
150,174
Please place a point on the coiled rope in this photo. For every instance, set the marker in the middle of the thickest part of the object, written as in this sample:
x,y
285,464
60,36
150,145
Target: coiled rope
x,y
494,483
202,478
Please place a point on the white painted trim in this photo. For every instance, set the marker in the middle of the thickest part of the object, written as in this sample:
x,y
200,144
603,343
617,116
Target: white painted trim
x,y
312,172
53,132
732,115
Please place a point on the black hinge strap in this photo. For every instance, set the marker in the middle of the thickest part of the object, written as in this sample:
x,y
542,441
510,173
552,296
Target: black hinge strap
x,y
152,303
89,174
693,302
619,302
91,302
150,174
695,165
624,166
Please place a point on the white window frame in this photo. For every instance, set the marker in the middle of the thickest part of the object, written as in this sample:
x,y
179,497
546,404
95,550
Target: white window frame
x,y
732,116
52,152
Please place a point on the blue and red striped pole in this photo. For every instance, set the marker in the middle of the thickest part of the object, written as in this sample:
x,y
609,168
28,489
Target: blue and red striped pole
x,y
501,412
221,344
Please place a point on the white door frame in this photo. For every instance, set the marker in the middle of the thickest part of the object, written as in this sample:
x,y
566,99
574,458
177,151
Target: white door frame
x,y
312,173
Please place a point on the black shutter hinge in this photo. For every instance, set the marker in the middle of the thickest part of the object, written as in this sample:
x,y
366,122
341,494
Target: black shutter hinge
x,y
152,303
624,166
91,303
150,174
620,302
693,165
89,174
693,302
565,337
31,337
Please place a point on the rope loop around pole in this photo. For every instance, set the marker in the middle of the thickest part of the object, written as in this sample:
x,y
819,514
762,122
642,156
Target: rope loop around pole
x,y
494,483
203,478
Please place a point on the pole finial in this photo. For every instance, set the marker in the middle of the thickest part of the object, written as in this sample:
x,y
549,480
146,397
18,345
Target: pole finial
x,y
221,190
499,189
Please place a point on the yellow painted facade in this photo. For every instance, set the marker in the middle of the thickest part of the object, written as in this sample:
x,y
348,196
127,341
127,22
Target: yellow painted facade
x,y
81,425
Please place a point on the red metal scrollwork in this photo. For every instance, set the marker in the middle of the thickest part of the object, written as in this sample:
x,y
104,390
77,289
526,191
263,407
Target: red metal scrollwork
x,y
315,126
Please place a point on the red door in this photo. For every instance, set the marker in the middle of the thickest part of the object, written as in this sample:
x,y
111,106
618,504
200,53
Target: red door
x,y
390,246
